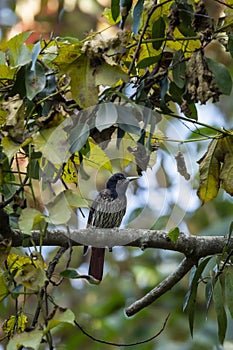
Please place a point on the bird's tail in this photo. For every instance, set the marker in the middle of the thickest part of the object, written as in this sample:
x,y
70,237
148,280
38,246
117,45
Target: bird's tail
x,y
96,266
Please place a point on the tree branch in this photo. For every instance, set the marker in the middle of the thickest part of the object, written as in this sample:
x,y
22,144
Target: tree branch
x,y
184,267
195,246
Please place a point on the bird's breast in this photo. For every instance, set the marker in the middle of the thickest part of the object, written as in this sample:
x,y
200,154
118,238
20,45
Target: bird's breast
x,y
107,211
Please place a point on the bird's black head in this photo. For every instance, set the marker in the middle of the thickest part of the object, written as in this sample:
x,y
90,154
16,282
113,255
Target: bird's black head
x,y
118,183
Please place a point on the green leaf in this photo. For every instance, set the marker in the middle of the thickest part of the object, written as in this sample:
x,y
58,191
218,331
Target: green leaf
x,y
33,169
53,144
173,234
106,74
230,231
10,147
179,69
19,54
222,76
137,11
158,32
35,80
27,340
59,210
127,120
83,84
230,44
220,311
3,60
190,298
61,316
29,218
186,16
148,61
229,290
70,273
115,9
75,199
208,293
126,5
78,136
106,116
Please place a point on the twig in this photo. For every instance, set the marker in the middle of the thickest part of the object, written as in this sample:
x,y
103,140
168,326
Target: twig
x,y
163,287
119,344
137,50
10,199
43,292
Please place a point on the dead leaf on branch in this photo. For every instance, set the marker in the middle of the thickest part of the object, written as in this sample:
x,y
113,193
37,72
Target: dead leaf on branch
x,y
181,166
14,124
201,84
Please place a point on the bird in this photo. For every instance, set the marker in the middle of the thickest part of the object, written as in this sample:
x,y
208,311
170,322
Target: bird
x,y
107,211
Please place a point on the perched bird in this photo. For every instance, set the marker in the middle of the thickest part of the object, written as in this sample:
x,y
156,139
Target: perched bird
x,y
107,211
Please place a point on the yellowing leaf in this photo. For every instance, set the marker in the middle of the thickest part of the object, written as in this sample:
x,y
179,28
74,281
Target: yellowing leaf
x,y
3,286
28,271
69,173
18,262
216,169
187,46
209,169
32,277
67,54
97,158
15,323
6,72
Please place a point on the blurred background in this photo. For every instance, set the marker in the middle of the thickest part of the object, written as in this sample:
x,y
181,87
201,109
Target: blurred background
x,y
129,272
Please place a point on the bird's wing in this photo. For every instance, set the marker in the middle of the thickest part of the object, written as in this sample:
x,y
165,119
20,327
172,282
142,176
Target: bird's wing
x,y
106,212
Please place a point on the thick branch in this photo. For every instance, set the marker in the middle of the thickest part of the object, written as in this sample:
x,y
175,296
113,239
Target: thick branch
x,y
195,246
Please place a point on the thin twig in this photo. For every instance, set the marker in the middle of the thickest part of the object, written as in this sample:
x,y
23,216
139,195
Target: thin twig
x,y
122,344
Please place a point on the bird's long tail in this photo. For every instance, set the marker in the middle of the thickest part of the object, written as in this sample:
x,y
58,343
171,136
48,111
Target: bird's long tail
x,y
96,266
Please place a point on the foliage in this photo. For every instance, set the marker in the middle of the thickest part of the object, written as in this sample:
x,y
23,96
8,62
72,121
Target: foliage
x,y
70,108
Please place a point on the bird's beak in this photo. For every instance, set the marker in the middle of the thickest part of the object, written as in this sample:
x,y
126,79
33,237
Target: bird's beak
x,y
132,178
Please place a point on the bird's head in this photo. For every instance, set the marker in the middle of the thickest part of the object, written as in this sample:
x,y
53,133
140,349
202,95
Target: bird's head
x,y
119,183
